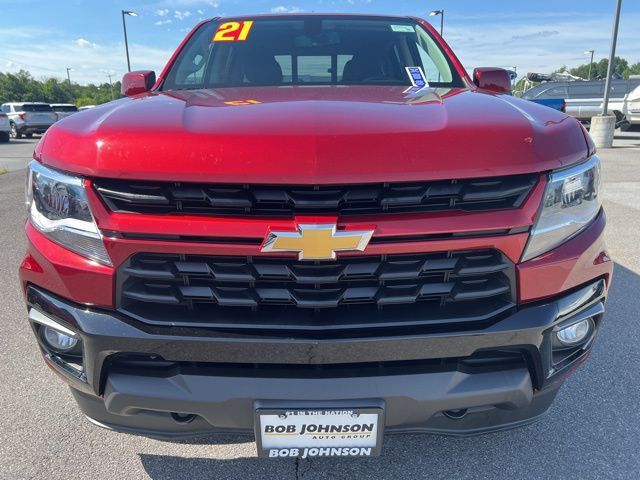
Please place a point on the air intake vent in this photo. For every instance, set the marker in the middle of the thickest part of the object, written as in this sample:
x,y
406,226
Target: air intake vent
x,y
187,198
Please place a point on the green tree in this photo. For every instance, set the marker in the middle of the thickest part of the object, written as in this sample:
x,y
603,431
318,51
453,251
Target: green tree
x,y
56,91
22,87
631,70
599,69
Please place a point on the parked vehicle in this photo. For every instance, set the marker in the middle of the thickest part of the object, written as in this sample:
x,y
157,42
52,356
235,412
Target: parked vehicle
x,y
583,98
5,128
63,110
313,224
27,118
555,103
630,108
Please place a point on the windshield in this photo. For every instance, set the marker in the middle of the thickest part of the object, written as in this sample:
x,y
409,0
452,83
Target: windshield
x,y
309,50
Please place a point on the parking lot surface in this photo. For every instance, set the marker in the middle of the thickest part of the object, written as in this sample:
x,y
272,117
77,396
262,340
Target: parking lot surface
x,y
592,431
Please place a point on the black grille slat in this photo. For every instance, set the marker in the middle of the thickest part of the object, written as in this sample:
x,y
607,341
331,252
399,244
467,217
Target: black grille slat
x,y
479,290
167,198
445,287
136,195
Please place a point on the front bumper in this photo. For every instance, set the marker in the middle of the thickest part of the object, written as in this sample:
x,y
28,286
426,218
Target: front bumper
x,y
168,381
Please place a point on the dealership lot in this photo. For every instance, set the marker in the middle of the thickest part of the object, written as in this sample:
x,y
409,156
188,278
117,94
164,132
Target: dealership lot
x,y
593,430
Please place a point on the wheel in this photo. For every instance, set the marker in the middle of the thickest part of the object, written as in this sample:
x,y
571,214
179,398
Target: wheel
x,y
621,119
4,137
14,131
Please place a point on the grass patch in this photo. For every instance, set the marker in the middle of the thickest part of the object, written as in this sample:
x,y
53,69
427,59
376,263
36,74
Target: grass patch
x,y
3,171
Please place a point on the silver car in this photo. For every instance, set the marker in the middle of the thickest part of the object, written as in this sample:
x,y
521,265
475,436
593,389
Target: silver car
x,y
63,110
27,118
4,128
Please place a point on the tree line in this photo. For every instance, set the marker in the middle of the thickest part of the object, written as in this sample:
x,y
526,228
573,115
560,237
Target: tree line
x,y
598,72
22,87
599,69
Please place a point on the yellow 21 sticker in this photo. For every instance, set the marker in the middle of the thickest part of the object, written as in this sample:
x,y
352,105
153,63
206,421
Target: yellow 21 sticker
x,y
233,31
242,102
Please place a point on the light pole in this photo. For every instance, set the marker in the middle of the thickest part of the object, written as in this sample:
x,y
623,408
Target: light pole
x,y
612,57
124,27
590,62
441,13
69,82
603,126
434,13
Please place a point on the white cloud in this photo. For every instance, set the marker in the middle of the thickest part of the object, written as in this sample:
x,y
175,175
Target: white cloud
x,y
162,12
283,9
50,58
539,43
200,11
163,22
82,43
190,3
181,15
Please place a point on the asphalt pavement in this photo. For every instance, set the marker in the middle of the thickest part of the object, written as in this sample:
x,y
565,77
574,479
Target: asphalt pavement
x,y
592,431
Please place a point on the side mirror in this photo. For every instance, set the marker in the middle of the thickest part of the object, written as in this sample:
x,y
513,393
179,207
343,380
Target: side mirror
x,y
492,79
141,81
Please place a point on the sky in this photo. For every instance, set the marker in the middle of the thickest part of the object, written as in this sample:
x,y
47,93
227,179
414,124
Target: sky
x,y
48,36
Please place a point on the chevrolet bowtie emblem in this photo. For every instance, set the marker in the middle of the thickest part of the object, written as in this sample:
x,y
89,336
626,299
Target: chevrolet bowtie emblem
x,y
317,242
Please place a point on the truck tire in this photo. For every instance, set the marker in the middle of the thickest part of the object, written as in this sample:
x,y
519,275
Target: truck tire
x,y
14,131
621,120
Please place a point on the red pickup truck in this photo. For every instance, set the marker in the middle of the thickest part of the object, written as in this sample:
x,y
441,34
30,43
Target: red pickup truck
x,y
320,229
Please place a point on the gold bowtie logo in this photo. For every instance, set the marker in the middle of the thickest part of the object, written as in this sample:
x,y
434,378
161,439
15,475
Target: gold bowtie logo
x,y
316,242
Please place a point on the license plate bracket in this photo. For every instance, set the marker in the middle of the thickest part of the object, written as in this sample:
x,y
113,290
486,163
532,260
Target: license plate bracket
x,y
319,432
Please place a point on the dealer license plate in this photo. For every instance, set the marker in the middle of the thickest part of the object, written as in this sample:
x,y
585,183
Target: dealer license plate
x,y
305,433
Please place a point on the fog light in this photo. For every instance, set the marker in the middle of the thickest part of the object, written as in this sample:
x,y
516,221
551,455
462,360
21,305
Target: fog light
x,y
59,341
576,333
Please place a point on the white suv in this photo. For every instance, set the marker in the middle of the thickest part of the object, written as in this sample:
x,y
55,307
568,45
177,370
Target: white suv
x,y
27,118
64,109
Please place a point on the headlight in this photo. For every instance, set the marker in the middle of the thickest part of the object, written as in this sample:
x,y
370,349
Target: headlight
x,y
571,201
57,206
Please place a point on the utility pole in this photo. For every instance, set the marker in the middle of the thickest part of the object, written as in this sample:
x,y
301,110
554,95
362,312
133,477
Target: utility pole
x,y
110,85
69,82
590,62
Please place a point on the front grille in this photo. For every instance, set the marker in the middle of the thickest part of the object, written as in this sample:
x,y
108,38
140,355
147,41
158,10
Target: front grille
x,y
192,198
391,291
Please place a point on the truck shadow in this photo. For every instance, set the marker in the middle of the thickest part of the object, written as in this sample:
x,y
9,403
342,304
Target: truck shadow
x,y
596,407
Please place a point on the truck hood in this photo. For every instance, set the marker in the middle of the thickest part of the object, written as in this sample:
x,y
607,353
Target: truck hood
x,y
309,135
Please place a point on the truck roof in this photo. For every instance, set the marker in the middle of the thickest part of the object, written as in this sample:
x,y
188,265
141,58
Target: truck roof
x,y
313,14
